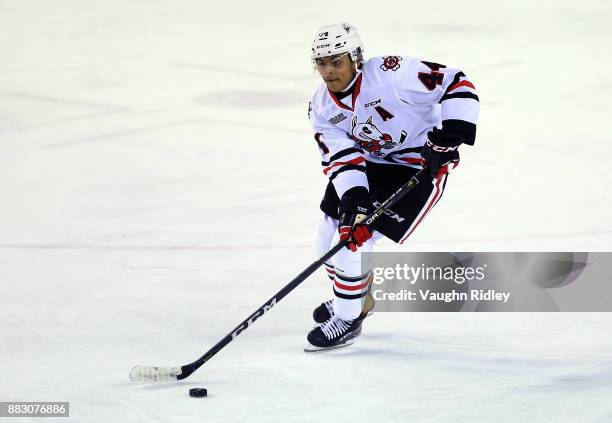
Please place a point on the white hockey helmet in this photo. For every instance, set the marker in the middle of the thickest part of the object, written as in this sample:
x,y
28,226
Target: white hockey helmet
x,y
336,39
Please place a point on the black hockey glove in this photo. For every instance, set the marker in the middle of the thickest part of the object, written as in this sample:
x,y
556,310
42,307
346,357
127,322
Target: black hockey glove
x,y
441,150
354,207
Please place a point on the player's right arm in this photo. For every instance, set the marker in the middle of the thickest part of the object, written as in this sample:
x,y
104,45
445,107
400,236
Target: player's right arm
x,y
342,159
344,164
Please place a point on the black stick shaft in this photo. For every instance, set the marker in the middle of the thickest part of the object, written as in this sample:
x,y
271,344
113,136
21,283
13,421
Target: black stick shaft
x,y
188,369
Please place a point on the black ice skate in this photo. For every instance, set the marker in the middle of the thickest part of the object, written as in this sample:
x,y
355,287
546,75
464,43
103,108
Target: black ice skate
x,y
325,311
334,333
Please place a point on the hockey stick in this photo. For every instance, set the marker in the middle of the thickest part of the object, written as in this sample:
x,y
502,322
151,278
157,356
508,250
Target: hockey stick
x,y
164,374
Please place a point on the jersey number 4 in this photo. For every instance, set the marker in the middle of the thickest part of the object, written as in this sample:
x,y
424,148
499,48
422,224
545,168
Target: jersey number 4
x,y
431,79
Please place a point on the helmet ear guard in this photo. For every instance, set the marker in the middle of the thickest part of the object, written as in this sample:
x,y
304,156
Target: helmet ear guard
x,y
357,57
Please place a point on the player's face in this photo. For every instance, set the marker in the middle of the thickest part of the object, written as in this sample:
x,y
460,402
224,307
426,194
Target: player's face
x,y
337,71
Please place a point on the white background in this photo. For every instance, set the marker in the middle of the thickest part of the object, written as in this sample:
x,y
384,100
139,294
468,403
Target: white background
x,y
159,181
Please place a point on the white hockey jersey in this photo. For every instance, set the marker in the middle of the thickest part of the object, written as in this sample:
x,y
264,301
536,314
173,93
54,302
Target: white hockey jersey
x,y
395,102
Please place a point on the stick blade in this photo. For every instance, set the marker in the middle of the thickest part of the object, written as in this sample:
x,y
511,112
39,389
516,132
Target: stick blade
x,y
309,348
154,374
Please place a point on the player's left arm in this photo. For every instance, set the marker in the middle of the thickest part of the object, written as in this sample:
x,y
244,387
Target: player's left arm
x,y
432,83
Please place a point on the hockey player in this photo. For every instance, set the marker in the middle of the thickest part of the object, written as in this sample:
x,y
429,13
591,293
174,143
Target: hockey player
x,y
377,122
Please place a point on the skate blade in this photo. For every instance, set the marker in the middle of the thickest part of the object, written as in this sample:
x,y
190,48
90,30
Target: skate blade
x,y
309,348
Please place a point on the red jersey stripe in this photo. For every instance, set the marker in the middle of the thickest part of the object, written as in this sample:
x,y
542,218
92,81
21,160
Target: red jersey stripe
x,y
461,84
355,161
412,160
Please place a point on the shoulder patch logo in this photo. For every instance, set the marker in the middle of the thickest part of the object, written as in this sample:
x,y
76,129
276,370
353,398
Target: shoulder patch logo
x,y
338,118
391,62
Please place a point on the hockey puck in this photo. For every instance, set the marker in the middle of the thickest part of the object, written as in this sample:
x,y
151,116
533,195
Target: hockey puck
x,y
198,392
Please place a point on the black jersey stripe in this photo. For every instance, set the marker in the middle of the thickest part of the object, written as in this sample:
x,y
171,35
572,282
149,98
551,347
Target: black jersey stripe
x,y
462,129
459,95
405,151
345,168
345,152
341,154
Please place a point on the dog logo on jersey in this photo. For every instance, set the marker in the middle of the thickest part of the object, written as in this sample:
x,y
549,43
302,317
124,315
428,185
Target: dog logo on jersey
x,y
391,62
370,138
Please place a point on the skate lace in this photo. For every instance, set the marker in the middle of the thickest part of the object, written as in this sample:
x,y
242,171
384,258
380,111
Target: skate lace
x,y
329,305
334,327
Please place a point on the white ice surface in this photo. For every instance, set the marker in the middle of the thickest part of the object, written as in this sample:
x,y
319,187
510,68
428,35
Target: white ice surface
x,y
159,182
